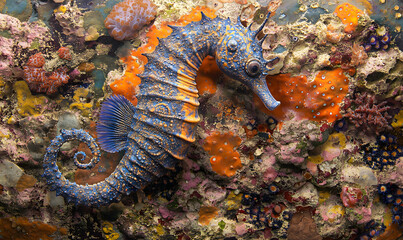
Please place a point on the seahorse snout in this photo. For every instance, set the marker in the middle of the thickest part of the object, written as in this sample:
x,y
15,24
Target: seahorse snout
x,y
262,91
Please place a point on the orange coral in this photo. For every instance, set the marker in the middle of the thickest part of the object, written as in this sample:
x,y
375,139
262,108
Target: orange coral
x,y
20,228
127,17
224,160
348,15
135,62
206,214
64,53
206,76
317,100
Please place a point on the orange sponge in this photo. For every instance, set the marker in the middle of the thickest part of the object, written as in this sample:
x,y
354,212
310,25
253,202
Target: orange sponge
x,y
206,214
318,100
224,160
348,15
207,75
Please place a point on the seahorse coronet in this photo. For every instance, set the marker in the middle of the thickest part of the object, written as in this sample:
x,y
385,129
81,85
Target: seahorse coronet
x,y
157,131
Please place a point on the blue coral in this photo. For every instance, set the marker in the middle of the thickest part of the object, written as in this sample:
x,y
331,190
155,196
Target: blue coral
x,y
392,194
384,153
379,39
158,130
372,229
340,125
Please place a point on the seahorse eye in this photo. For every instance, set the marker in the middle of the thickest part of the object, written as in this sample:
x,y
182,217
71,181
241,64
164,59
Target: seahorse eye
x,y
253,67
232,45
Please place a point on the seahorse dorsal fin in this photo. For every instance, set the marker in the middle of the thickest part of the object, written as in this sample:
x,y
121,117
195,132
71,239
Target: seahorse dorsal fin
x,y
114,123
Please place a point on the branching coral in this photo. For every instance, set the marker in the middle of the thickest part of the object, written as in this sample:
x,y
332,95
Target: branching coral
x,y
366,113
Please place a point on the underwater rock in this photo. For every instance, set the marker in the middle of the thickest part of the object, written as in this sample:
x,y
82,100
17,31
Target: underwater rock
x,y
9,173
295,139
19,9
363,176
67,120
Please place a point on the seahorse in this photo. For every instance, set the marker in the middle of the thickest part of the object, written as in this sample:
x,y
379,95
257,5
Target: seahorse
x,y
155,133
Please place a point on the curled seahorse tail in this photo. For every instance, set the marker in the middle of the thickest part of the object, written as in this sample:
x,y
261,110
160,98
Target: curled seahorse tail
x,y
136,169
127,177
101,193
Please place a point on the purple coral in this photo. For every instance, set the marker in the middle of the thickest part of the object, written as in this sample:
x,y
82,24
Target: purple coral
x,y
364,111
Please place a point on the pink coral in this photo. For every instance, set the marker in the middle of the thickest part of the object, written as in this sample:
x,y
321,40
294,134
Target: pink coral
x,y
350,196
16,40
366,113
129,16
358,55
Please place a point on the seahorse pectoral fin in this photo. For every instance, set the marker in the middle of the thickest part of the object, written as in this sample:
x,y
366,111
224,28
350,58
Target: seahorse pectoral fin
x,y
263,92
114,123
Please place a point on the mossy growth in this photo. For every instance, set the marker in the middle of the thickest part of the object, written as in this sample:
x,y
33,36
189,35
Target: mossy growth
x,y
80,103
29,105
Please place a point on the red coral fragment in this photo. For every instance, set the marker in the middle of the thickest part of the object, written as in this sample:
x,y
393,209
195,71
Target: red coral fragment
x,y
58,78
64,53
366,113
38,79
37,60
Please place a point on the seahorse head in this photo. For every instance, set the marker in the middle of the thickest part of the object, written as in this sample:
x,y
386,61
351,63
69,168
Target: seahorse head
x,y
239,55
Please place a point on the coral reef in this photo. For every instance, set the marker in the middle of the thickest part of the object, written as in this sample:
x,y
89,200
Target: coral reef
x,y
16,38
27,103
282,174
70,19
349,16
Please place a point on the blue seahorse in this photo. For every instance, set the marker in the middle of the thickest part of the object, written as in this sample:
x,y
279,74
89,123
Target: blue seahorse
x,y
157,132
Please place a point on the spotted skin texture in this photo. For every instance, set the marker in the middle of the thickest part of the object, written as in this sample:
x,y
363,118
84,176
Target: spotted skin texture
x,y
157,131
